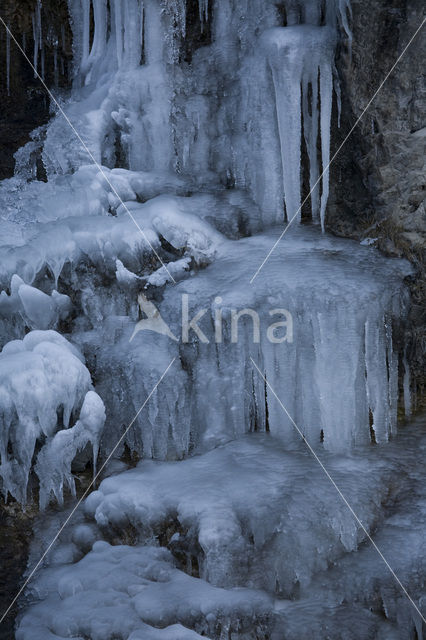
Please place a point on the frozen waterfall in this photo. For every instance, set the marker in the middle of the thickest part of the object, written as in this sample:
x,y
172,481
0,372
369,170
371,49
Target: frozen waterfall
x,y
205,126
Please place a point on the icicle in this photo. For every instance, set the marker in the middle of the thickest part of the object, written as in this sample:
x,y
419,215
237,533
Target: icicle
x,y
293,13
392,361
40,33
326,92
132,32
118,30
35,38
154,36
86,33
42,63
312,11
406,386
338,93
294,55
8,60
37,35
337,14
100,34
203,10
55,65
310,128
344,9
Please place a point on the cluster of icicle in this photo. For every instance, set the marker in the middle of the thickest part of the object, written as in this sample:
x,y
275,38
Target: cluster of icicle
x,y
38,53
301,59
118,25
43,383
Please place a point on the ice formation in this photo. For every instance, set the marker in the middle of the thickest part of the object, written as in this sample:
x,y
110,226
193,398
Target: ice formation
x,y
37,309
197,118
126,591
315,279
43,383
54,461
270,519
8,60
219,119
300,58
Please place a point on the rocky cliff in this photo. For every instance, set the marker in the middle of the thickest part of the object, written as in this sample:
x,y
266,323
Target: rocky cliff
x,y
378,179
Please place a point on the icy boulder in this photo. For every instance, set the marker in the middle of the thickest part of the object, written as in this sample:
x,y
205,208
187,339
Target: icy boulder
x,y
136,593
247,513
43,382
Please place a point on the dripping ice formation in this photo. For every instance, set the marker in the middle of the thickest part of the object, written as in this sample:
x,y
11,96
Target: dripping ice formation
x,y
41,376
300,57
194,117
254,127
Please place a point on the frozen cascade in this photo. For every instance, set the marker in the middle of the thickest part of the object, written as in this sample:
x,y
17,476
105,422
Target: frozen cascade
x,y
271,515
197,129
163,125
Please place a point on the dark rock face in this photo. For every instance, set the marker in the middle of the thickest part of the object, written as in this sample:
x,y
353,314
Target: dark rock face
x,y
378,179
15,537
380,169
25,104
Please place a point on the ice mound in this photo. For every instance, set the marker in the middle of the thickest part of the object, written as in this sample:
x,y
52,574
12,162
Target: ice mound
x,y
278,512
136,593
358,597
43,382
247,513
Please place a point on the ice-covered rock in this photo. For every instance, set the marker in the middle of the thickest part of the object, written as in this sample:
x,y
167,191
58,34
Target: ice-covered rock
x,y
54,461
43,382
136,593
249,512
